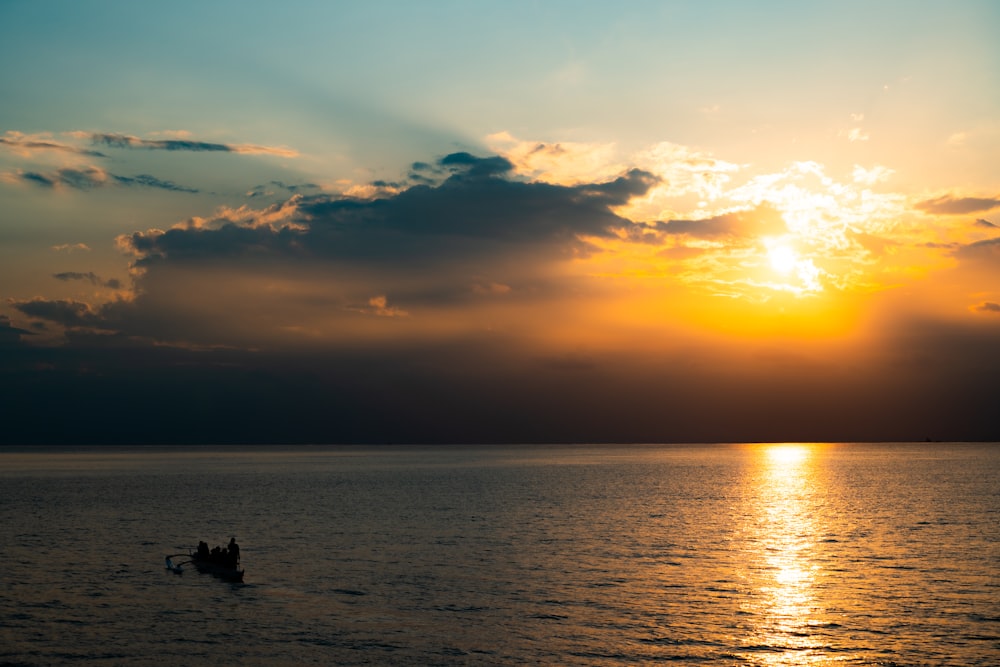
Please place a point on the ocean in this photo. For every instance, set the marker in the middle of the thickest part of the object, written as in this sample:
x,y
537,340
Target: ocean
x,y
740,554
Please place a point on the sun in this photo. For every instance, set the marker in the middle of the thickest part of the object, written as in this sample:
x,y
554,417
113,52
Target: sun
x,y
799,275
783,258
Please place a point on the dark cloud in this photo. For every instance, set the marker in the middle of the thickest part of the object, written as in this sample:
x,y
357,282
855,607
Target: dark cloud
x,y
126,141
48,145
475,166
90,277
87,178
424,173
420,179
295,187
10,336
38,179
183,245
67,313
152,182
985,223
476,212
267,191
80,179
422,248
393,185
949,205
987,307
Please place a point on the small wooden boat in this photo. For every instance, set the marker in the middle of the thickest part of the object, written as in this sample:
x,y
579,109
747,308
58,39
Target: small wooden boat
x,y
225,570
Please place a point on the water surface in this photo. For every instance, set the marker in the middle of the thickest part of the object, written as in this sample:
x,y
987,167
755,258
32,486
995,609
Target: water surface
x,y
838,554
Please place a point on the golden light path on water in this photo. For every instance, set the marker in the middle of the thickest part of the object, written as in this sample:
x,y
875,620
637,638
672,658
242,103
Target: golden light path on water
x,y
785,569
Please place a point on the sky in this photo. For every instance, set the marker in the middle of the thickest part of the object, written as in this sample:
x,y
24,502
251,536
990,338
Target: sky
x,y
465,222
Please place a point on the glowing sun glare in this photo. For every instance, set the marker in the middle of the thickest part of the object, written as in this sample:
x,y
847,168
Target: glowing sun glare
x,y
783,259
787,455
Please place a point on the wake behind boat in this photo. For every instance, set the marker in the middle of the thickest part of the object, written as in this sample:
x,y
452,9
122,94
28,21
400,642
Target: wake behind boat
x,y
221,562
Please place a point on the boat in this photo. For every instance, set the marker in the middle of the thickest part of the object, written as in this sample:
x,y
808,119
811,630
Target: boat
x,y
225,571
222,565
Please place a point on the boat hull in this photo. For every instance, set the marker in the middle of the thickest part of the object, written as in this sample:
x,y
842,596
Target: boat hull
x,y
218,570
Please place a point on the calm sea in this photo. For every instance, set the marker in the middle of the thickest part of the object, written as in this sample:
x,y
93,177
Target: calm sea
x,y
836,554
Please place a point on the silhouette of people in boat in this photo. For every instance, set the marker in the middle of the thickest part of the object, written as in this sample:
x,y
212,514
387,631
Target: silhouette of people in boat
x,y
225,556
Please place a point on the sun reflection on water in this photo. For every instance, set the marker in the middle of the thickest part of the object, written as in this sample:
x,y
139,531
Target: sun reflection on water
x,y
784,573
786,457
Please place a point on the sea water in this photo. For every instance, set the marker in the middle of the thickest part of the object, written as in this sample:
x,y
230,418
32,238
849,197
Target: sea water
x,y
833,554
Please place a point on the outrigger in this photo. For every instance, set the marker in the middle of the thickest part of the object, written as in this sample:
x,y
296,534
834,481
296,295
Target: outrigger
x,y
221,563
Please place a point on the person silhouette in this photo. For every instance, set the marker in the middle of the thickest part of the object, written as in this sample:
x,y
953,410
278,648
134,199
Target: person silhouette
x,y
234,551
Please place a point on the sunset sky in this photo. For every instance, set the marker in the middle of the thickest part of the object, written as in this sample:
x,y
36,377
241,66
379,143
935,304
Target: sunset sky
x,y
499,222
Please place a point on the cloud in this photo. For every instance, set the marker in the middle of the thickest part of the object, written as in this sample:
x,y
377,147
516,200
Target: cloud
x,y
490,288
71,247
309,265
152,182
854,134
981,222
267,191
876,174
26,145
48,181
126,141
468,165
379,306
764,220
477,239
564,163
10,336
90,277
683,170
685,176
67,313
987,250
476,211
987,307
950,205
87,178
